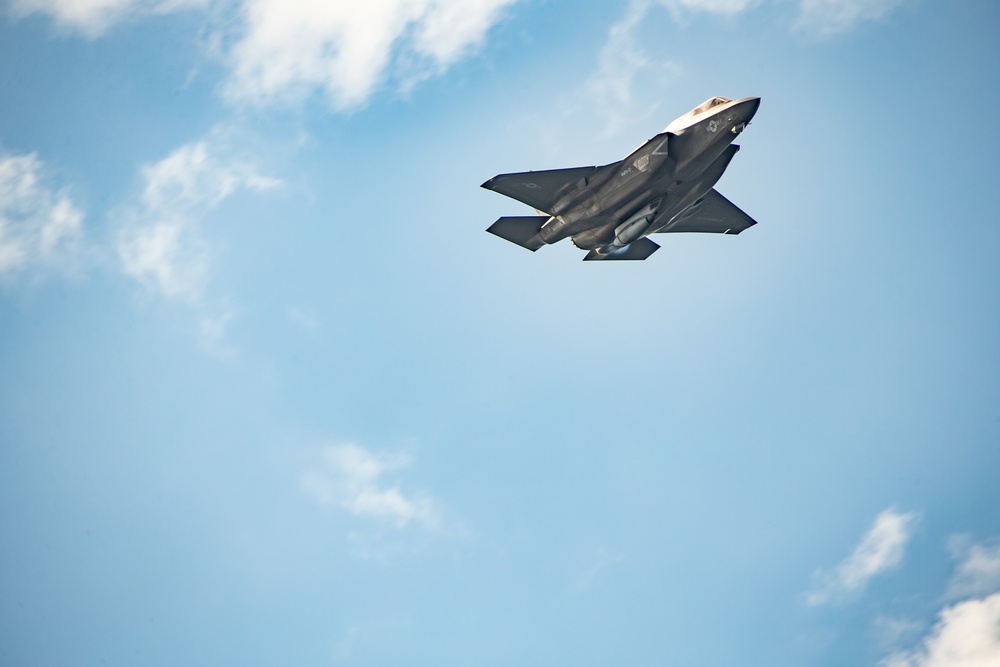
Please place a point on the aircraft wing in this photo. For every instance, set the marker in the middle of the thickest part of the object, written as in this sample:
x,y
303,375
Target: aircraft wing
x,y
713,214
538,189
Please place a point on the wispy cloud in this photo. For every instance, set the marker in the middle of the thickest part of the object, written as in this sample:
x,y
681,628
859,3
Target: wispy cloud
x,y
893,632
819,17
829,17
303,319
978,572
822,18
286,50
723,7
212,334
353,479
40,228
966,635
93,18
880,550
161,245
603,559
622,61
626,68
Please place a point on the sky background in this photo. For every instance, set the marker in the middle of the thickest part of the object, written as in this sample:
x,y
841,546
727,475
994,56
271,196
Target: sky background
x,y
269,394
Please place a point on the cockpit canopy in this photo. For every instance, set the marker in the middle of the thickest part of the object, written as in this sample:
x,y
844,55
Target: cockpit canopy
x,y
708,104
688,118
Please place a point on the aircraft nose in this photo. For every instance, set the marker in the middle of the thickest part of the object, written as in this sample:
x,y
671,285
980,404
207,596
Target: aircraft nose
x,y
749,108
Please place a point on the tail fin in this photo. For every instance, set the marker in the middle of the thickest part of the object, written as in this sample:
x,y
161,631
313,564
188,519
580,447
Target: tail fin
x,y
522,230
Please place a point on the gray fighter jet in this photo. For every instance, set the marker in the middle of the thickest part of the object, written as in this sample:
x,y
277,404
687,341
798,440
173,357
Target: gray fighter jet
x,y
666,185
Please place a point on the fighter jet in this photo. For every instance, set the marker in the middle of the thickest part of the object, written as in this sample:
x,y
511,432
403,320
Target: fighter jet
x,y
666,185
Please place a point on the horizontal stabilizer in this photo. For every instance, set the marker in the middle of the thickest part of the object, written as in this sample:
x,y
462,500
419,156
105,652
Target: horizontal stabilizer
x,y
640,249
522,230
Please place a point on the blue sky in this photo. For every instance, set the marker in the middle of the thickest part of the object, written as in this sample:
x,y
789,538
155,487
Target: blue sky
x,y
269,394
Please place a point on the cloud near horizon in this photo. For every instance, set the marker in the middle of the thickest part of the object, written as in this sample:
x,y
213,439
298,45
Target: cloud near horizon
x,y
880,550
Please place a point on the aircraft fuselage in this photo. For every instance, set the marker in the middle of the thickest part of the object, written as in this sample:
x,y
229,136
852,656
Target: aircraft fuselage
x,y
617,204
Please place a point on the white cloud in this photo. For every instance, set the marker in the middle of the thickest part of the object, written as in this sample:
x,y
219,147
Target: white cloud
x,y
286,49
39,227
966,635
351,478
283,51
828,17
978,573
161,244
880,550
94,17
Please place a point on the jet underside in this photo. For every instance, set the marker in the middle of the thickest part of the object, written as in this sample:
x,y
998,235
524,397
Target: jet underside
x,y
666,185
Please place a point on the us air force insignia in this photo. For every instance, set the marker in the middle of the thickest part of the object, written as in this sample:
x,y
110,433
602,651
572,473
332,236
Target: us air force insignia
x,y
713,125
